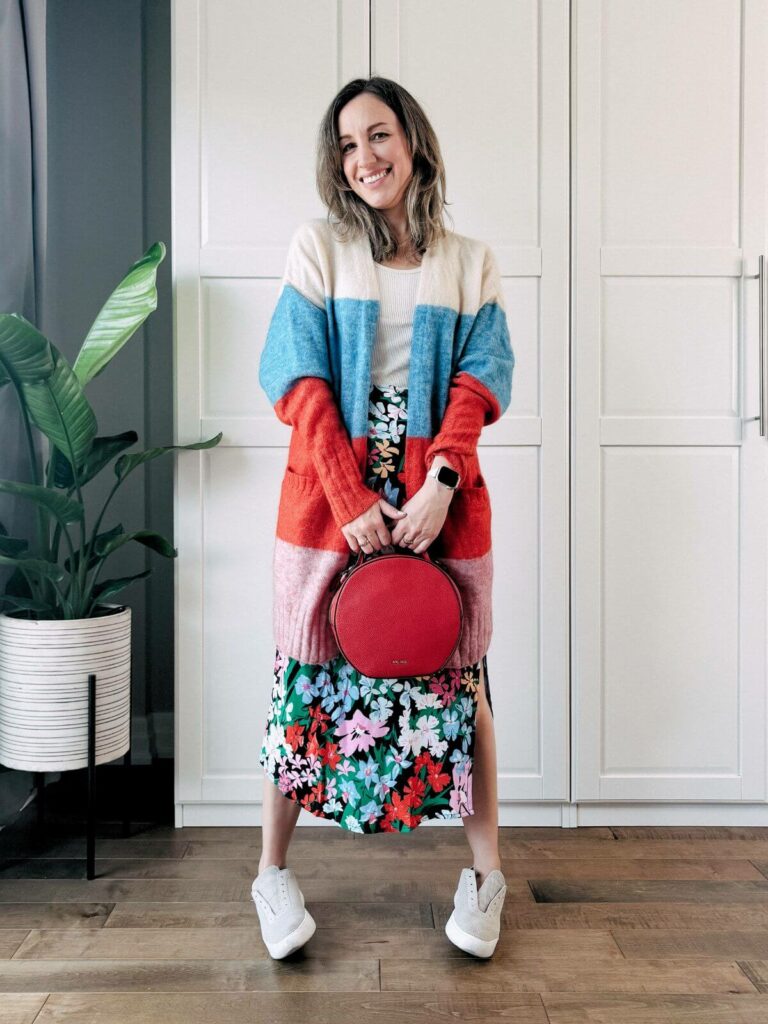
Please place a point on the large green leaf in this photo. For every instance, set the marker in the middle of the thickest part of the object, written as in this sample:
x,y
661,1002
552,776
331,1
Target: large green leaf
x,y
101,538
12,545
127,463
122,314
27,603
108,587
58,406
25,355
103,450
149,538
51,570
66,510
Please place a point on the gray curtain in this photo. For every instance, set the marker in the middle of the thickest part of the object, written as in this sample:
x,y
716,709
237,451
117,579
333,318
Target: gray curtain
x,y
23,166
23,219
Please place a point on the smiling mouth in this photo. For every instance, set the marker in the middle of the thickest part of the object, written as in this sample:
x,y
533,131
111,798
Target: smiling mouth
x,y
377,179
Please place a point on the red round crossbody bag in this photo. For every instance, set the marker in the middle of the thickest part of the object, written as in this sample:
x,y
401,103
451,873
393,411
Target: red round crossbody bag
x,y
395,614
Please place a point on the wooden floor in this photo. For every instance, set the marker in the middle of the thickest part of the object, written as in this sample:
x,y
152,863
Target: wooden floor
x,y
609,925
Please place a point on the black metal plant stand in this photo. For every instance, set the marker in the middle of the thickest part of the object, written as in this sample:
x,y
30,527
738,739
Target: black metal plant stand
x,y
39,781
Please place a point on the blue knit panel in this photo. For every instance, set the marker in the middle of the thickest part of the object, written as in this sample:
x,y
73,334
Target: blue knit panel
x,y
351,334
296,344
487,352
436,342
336,343
438,333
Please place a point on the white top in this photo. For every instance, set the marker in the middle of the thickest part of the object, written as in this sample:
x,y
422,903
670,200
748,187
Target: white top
x,y
391,356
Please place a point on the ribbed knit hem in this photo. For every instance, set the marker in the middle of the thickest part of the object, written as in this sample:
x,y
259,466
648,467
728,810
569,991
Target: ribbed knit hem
x,y
301,600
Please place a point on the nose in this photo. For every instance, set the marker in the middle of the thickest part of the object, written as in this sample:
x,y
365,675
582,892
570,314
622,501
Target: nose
x,y
365,155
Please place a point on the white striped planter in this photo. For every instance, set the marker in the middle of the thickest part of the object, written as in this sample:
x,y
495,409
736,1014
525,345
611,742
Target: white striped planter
x,y
44,669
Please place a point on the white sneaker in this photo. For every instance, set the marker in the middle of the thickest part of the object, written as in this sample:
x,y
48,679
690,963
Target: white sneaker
x,y
475,923
286,924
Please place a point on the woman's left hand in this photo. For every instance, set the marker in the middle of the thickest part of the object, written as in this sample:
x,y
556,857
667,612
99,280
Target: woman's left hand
x,y
427,511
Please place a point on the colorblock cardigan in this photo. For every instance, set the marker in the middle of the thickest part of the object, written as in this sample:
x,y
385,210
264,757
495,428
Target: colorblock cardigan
x,y
315,368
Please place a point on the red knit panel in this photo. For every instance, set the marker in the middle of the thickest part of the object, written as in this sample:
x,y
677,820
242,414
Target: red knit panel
x,y
310,408
471,406
466,532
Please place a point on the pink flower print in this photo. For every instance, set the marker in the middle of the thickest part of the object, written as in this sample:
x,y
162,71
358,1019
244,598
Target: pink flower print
x,y
359,732
461,794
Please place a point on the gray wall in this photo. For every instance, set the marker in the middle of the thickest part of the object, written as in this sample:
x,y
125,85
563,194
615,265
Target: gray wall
x,y
108,133
108,200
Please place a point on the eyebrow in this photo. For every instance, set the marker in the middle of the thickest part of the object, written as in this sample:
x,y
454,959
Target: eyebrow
x,y
370,127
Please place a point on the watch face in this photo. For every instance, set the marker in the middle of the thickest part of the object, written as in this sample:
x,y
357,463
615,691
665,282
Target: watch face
x,y
447,476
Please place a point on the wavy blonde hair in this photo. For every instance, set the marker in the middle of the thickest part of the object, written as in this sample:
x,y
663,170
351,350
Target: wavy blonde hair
x,y
425,201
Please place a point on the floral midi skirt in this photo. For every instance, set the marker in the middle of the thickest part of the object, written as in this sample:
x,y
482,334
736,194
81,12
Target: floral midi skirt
x,y
374,755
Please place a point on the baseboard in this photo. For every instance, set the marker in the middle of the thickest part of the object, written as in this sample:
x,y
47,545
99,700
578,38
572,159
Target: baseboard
x,y
550,814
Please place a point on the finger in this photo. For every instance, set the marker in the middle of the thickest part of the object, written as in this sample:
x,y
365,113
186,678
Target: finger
x,y
384,536
393,510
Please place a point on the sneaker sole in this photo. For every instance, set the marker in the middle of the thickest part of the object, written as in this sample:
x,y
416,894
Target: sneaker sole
x,y
294,941
469,943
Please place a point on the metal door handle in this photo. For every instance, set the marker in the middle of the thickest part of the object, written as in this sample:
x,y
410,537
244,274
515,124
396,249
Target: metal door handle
x,y
761,340
763,360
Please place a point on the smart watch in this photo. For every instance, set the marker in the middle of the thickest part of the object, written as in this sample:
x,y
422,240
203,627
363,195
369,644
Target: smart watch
x,y
446,476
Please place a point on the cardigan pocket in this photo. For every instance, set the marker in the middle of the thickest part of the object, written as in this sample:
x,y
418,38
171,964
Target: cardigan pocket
x,y
304,516
466,532
298,482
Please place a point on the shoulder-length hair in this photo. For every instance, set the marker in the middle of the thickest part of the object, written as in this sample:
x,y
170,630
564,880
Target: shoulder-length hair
x,y
348,214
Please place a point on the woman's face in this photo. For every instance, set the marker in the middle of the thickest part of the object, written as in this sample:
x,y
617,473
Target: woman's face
x,y
372,140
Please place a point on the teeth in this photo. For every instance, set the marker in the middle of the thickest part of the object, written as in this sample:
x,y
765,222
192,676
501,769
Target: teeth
x,y
375,177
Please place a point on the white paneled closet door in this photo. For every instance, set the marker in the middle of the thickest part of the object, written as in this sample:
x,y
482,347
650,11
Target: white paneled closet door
x,y
669,468
251,82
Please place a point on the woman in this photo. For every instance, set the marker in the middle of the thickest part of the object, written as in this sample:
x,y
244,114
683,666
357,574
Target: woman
x,y
387,353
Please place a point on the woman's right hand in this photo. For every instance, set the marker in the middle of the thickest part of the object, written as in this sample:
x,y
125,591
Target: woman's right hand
x,y
368,532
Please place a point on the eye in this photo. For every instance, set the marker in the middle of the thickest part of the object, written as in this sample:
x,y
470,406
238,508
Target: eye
x,y
345,148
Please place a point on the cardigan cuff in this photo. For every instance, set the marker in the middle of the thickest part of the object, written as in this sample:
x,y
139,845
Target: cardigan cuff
x,y
346,492
458,461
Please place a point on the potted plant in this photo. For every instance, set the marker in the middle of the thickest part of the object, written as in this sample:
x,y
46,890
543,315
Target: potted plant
x,y
57,624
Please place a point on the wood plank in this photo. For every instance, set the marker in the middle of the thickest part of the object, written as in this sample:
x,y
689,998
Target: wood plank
x,y
54,915
659,942
553,890
327,914
10,940
340,869
21,1007
292,974
401,849
695,916
652,849
113,890
246,944
291,1008
425,833
75,846
690,831
336,870
640,1008
352,890
512,974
